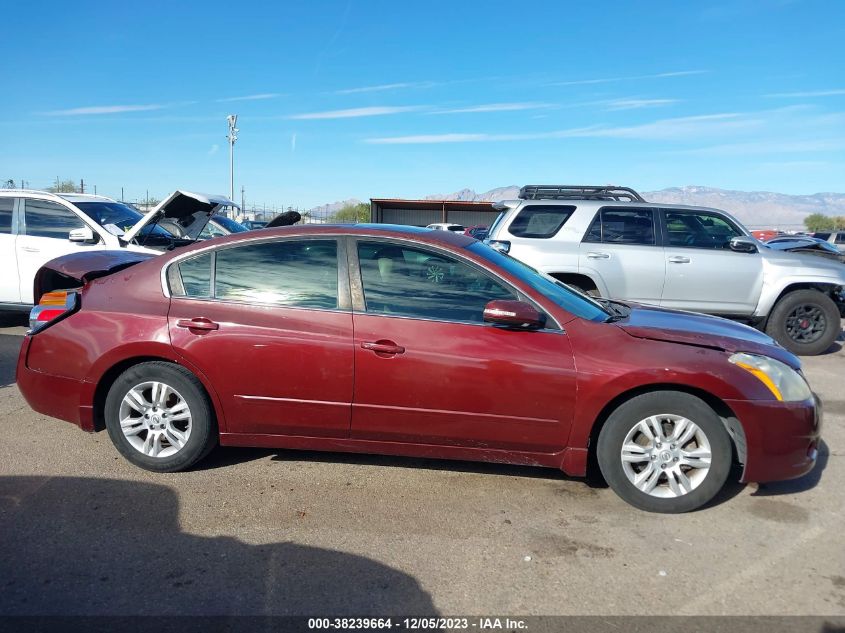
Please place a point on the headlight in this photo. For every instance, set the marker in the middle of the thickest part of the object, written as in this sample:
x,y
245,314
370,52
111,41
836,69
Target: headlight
x,y
785,383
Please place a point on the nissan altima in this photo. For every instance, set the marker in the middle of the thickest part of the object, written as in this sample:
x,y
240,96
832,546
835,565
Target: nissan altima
x,y
405,341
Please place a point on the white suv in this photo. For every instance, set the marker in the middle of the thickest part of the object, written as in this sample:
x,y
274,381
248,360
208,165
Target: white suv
x,y
37,226
609,242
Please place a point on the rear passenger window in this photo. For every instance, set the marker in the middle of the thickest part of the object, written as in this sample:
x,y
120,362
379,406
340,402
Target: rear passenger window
x,y
622,226
193,278
48,219
539,221
840,238
291,273
6,207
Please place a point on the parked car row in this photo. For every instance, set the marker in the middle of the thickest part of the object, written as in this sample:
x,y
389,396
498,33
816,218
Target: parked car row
x,y
610,242
36,226
428,343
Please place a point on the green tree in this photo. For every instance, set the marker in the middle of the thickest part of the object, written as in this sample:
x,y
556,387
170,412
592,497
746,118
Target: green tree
x,y
821,222
62,186
352,213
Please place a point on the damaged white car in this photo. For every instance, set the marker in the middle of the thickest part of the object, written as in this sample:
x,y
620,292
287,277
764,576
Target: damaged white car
x,y
37,226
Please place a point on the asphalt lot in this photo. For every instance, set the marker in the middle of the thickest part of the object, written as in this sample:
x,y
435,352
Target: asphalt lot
x,y
285,532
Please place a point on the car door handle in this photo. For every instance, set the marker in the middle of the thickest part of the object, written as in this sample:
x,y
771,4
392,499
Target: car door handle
x,y
679,259
594,255
198,323
383,347
30,249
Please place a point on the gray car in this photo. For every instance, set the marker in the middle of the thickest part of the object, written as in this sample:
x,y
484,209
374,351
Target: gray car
x,y
610,242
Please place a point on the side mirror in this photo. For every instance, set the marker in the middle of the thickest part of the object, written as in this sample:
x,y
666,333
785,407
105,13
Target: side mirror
x,y
743,245
83,236
516,315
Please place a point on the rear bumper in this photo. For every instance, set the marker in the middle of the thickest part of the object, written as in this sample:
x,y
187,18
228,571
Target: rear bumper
x,y
55,396
782,438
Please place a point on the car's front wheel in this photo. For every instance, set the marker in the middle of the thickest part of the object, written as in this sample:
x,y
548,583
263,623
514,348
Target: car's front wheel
x,y
806,322
665,452
159,418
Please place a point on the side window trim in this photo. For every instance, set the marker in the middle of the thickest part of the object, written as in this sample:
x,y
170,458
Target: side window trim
x,y
656,224
343,299
357,287
80,217
664,224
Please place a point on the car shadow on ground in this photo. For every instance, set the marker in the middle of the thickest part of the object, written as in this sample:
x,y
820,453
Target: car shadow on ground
x,y
76,546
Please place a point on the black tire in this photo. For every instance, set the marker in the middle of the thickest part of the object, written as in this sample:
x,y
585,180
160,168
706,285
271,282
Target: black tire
x,y
590,292
825,321
203,436
628,415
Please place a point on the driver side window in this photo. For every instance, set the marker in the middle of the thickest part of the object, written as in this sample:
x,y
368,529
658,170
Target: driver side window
x,y
699,229
404,281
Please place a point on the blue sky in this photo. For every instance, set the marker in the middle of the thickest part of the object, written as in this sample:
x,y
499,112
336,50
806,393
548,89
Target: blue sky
x,y
369,98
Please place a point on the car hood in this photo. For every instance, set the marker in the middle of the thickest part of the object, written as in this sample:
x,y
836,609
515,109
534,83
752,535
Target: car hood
x,y
701,330
190,210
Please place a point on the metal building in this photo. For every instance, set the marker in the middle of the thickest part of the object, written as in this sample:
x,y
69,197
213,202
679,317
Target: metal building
x,y
424,212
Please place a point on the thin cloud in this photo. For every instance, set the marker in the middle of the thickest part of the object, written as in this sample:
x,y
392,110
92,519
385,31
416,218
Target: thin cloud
x,y
635,104
496,107
607,80
94,110
680,128
293,143
356,112
214,149
383,87
257,97
811,93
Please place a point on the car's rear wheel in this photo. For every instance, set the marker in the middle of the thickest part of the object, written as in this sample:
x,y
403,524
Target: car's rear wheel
x,y
159,417
806,322
665,452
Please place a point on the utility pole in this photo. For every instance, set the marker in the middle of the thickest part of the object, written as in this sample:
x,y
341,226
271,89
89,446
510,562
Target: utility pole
x,y
232,119
81,185
242,200
121,194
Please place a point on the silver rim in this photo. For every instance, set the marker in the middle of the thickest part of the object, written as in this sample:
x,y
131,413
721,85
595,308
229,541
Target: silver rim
x,y
155,419
666,455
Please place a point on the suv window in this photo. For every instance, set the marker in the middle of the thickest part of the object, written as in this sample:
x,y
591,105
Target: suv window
x,y
840,238
405,281
699,229
48,219
822,236
614,225
539,221
7,205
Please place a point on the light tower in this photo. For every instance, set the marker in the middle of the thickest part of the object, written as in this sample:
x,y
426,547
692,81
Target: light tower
x,y
232,137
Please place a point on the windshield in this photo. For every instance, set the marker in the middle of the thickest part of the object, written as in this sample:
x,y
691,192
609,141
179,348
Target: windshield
x,y
229,224
568,299
118,218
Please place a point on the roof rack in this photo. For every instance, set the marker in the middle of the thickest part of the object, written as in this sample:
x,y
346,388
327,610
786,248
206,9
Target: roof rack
x,y
579,192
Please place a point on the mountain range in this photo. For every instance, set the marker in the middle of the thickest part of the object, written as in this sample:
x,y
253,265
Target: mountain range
x,y
755,209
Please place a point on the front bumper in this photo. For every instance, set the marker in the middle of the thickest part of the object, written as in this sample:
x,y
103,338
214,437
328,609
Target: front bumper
x,y
782,438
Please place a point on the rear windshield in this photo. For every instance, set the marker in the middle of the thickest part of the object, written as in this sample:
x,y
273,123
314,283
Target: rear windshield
x,y
560,293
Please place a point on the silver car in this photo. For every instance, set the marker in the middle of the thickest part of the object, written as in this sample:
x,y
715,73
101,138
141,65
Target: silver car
x,y
610,242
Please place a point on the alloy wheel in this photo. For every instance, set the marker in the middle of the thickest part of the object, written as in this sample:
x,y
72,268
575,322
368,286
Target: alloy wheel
x,y
806,323
666,455
155,419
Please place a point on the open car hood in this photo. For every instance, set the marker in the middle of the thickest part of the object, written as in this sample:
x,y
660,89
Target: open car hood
x,y
183,212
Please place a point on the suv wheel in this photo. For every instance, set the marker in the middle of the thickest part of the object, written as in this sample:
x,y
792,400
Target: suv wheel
x,y
806,322
159,417
665,451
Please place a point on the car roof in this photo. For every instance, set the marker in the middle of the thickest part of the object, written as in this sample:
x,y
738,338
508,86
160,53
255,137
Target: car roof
x,y
382,231
49,195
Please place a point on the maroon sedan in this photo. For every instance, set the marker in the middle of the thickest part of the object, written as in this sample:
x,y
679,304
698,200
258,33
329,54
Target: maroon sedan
x,y
395,340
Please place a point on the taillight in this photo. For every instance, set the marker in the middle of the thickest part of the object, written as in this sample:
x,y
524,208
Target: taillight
x,y
52,305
